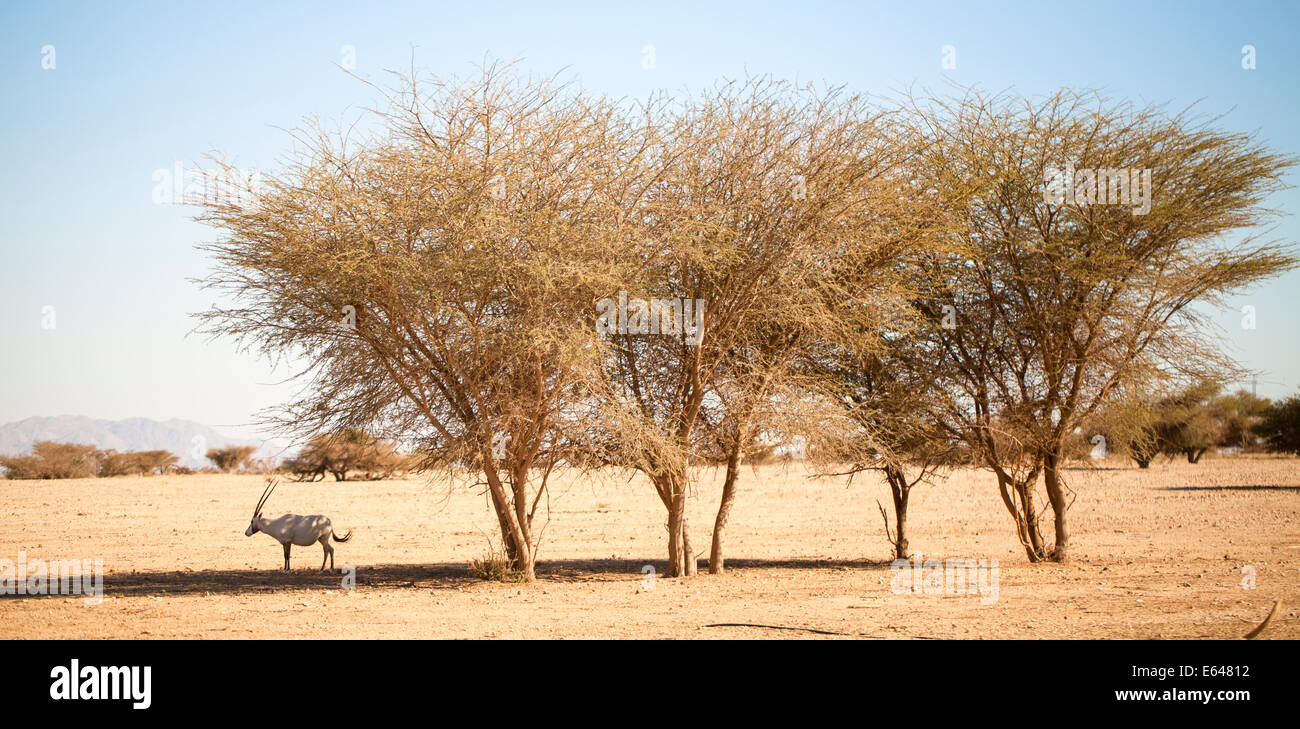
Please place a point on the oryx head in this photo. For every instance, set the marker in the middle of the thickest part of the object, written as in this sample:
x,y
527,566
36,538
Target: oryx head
x,y
266,493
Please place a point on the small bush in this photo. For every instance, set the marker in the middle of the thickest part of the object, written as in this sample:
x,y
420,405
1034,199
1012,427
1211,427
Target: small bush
x,y
495,567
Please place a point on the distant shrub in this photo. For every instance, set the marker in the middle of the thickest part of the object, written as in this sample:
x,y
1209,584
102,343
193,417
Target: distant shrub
x,y
22,467
72,460
54,460
137,463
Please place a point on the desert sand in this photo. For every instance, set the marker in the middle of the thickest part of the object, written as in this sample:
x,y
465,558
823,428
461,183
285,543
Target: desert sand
x,y
1169,552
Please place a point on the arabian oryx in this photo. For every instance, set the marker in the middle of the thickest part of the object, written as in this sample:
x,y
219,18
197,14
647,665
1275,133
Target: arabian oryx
x,y
292,529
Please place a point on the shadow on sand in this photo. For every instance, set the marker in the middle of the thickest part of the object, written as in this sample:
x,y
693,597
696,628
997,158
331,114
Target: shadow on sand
x,y
445,575
1232,488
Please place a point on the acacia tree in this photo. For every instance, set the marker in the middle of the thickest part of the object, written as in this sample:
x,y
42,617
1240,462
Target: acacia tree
x,y
881,399
1239,413
113,463
766,392
1280,425
1128,426
1188,423
435,280
1066,286
343,453
756,403
738,403
754,183
230,458
887,423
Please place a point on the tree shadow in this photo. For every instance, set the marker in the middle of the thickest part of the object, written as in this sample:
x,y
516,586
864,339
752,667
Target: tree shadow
x,y
1231,488
601,570
252,581
444,575
1098,468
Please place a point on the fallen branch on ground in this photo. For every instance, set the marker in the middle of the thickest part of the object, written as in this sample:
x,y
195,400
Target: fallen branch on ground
x,y
807,630
1257,631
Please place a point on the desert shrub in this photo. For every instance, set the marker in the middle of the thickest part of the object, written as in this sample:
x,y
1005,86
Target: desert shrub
x,y
495,566
22,467
71,460
158,461
54,460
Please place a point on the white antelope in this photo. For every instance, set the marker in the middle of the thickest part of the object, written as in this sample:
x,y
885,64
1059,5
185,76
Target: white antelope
x,y
292,529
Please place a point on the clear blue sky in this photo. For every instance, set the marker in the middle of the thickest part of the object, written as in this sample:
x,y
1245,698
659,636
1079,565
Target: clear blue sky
x,y
139,86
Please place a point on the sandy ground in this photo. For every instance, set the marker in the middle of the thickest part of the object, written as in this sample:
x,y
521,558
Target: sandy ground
x,y
1164,553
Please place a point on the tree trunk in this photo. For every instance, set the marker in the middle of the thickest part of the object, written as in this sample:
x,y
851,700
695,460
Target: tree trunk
x,y
670,483
688,554
672,491
716,562
519,490
507,541
1035,548
900,490
1024,514
518,548
672,499
1056,494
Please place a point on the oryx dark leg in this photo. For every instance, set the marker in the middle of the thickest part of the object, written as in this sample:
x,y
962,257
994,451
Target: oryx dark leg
x,y
286,556
328,553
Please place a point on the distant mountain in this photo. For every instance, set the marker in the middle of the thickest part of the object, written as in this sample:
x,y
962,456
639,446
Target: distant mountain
x,y
185,438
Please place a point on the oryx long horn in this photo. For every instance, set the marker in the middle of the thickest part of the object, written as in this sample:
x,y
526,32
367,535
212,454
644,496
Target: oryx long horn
x,y
266,493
